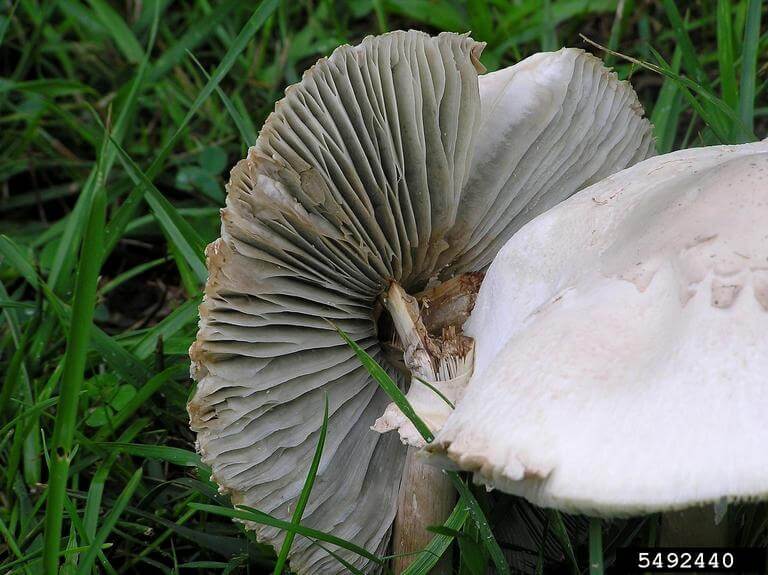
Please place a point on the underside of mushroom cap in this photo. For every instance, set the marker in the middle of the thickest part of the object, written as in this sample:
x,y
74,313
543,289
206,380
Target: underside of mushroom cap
x,y
621,355
358,179
551,125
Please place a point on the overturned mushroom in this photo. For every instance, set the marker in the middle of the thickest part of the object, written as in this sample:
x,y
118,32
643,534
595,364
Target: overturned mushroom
x,y
621,344
386,168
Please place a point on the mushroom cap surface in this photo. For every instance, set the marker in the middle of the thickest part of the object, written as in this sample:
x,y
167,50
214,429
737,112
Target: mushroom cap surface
x,y
363,175
621,352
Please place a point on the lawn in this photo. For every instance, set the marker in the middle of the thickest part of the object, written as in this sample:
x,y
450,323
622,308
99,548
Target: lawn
x,y
119,123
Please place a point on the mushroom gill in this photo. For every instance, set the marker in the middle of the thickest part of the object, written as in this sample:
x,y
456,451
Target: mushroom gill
x,y
391,161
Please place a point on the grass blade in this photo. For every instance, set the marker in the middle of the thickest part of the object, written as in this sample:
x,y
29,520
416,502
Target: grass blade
x,y
561,533
473,507
9,567
130,274
689,87
182,316
87,560
247,514
349,567
616,29
244,125
121,33
665,117
143,395
694,68
691,60
117,357
548,30
76,220
174,455
388,385
14,255
78,530
436,391
541,553
178,230
301,504
749,67
29,411
127,211
255,22
725,56
5,20
191,38
595,546
72,377
703,108
15,370
99,480
432,553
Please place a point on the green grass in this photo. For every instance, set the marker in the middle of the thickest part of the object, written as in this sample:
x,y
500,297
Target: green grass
x,y
596,555
118,123
75,355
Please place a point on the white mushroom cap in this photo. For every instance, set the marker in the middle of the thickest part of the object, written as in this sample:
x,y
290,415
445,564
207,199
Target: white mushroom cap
x,y
362,176
621,352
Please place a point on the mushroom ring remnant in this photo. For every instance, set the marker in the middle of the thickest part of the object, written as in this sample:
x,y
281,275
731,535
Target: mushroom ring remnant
x,y
621,352
391,161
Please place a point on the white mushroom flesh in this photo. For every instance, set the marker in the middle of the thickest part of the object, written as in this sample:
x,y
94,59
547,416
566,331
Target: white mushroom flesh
x,y
621,352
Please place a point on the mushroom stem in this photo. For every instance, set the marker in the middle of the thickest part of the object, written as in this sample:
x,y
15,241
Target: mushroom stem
x,y
426,498
426,495
404,310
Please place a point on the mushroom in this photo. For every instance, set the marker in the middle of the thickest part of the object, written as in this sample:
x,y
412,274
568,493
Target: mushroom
x,y
621,344
389,169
